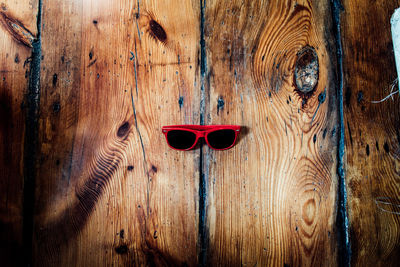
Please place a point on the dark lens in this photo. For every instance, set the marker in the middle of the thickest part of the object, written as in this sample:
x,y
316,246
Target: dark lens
x,y
181,139
221,139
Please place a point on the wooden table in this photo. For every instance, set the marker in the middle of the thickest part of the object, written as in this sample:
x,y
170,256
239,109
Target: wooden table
x,y
87,178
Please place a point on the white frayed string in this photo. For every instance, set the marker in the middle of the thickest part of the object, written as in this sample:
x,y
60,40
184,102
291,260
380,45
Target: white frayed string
x,y
384,200
392,93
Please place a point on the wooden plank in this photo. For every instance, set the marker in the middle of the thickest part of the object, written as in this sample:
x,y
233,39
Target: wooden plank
x,y
17,32
272,198
372,133
109,190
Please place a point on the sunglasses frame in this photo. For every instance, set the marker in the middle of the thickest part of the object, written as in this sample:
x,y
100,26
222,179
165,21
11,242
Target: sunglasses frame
x,y
201,131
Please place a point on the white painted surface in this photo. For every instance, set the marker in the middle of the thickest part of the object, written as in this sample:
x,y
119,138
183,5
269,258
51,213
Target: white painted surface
x,y
395,21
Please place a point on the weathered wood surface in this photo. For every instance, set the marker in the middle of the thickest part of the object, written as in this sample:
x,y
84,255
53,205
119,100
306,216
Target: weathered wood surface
x,y
17,32
272,198
109,190
372,133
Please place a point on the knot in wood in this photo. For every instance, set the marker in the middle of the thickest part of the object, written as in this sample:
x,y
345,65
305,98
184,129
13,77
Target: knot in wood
x,y
306,70
157,31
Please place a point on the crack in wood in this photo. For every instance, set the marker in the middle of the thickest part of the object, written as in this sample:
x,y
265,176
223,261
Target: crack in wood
x,y
145,167
32,133
203,234
342,220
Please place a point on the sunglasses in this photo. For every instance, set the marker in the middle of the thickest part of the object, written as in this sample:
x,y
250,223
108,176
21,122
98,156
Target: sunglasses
x,y
185,137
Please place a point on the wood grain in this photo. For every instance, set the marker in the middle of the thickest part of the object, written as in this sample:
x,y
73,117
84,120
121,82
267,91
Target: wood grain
x,y
17,30
372,133
272,198
109,190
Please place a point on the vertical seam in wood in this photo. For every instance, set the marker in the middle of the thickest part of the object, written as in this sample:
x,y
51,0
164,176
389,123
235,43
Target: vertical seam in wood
x,y
342,216
203,179
31,142
145,166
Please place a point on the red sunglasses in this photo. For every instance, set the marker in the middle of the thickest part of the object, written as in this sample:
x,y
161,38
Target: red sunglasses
x,y
185,137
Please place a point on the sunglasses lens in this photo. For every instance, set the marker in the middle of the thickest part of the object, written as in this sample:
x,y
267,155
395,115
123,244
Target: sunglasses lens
x,y
181,139
221,139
